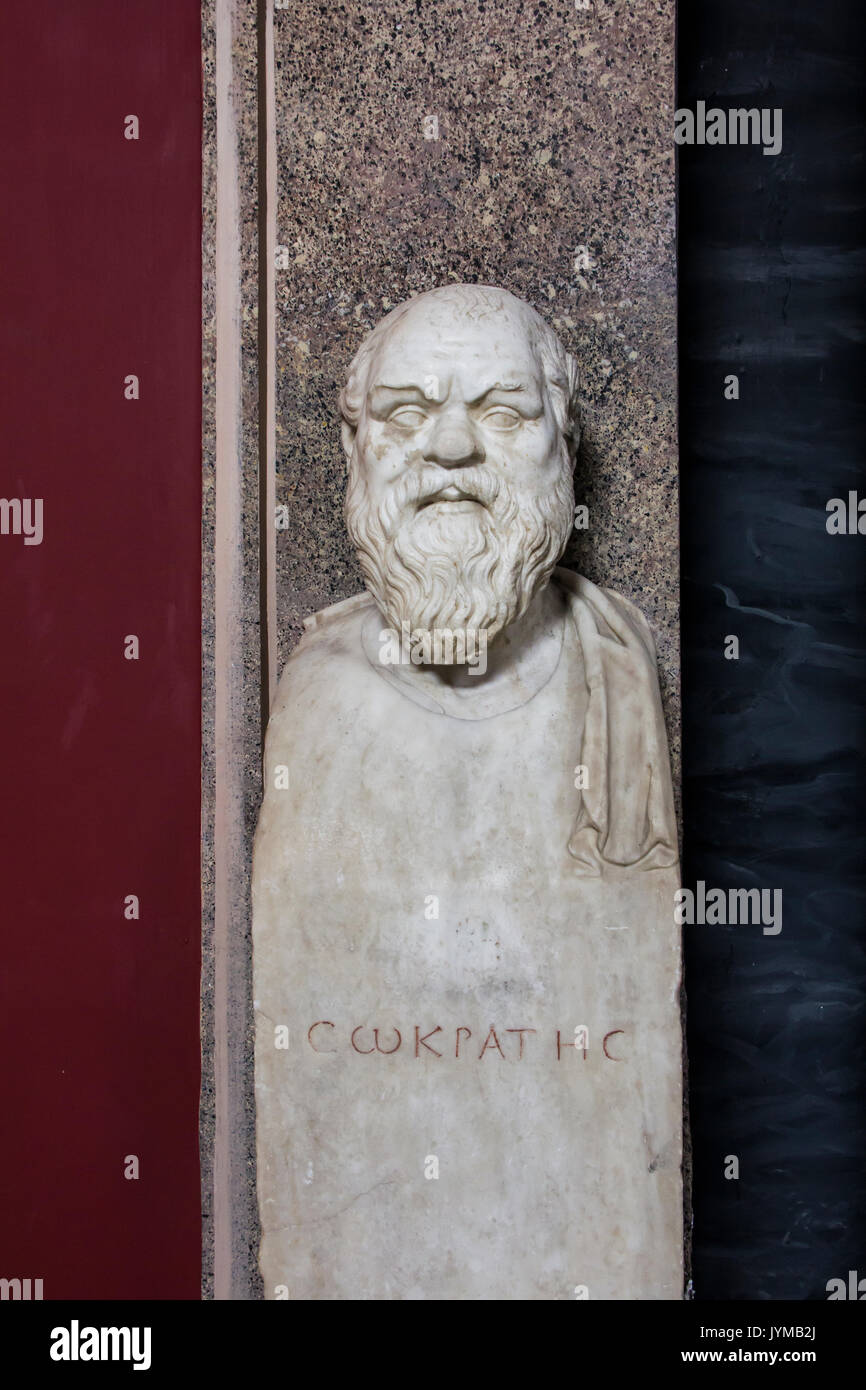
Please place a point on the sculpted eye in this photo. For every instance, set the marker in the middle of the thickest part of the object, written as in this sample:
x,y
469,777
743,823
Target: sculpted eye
x,y
501,418
411,417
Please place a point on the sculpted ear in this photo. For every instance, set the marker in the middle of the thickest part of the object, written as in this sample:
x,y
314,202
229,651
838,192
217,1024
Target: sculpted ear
x,y
347,435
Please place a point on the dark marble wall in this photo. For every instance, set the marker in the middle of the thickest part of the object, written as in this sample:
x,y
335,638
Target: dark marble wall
x,y
772,289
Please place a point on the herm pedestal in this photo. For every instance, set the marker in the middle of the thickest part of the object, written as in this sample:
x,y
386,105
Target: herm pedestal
x,y
466,965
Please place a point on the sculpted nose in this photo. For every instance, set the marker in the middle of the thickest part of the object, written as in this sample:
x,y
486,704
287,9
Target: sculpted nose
x,y
453,444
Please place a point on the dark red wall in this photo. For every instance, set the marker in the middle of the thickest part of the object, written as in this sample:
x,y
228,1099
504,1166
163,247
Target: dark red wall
x,y
100,756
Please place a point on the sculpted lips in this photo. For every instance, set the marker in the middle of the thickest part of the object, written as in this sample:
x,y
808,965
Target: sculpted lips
x,y
453,496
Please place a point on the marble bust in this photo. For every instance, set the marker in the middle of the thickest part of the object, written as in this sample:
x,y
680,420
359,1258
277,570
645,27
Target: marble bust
x,y
466,964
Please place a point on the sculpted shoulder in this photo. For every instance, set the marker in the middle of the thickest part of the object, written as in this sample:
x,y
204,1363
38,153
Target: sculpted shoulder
x,y
324,668
337,617
610,609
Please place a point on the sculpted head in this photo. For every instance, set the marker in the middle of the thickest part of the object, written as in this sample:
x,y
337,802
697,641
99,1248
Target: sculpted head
x,y
460,431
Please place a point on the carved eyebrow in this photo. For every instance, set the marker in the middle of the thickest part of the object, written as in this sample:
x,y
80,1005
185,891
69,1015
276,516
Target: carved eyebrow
x,y
409,389
506,388
380,393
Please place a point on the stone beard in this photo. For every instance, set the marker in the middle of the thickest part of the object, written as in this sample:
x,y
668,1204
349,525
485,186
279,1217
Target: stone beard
x,y
463,570
466,965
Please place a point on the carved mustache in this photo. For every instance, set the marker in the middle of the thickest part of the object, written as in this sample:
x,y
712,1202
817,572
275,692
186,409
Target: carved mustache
x,y
428,484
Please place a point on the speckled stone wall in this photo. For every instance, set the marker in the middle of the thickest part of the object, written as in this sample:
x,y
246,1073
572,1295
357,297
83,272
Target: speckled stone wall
x,y
553,176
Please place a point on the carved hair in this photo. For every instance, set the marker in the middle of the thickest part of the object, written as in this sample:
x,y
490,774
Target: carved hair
x,y
478,302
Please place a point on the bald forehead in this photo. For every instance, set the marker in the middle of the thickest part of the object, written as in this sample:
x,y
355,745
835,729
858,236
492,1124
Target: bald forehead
x,y
474,317
435,333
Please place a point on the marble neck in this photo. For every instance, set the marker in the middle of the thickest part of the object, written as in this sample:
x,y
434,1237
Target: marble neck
x,y
519,662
